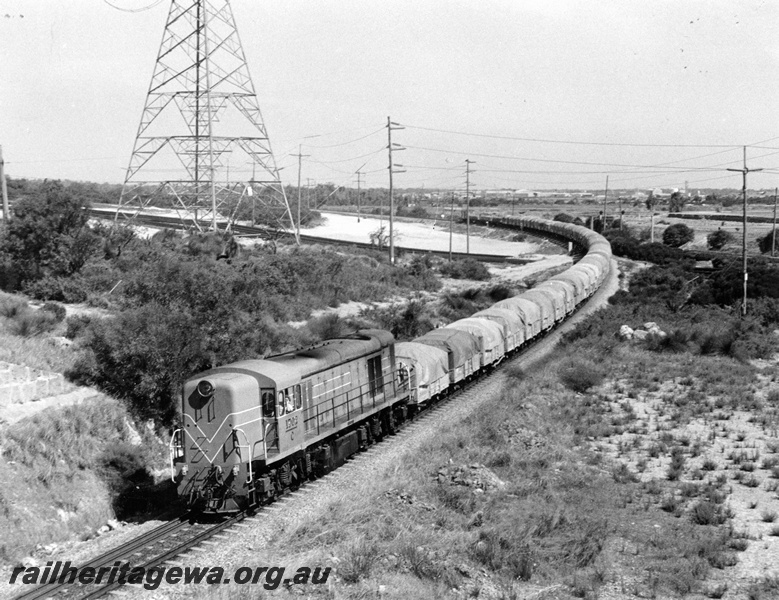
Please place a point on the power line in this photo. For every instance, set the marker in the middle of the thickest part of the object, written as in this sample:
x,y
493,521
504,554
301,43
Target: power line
x,y
572,142
563,162
133,10
346,143
333,162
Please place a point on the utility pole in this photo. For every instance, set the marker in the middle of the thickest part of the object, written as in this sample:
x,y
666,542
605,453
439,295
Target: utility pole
x,y
6,210
468,163
391,168
652,228
621,214
773,233
744,172
359,175
605,195
451,220
308,193
300,156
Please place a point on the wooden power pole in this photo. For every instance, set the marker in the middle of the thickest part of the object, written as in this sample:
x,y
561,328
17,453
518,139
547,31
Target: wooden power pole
x,y
300,156
773,232
390,147
468,164
6,209
744,172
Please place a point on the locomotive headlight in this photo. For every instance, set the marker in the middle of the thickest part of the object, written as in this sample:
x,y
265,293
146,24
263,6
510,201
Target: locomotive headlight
x,y
205,388
236,470
185,470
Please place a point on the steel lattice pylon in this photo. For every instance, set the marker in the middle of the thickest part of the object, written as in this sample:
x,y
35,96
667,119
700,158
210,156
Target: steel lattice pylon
x,y
202,147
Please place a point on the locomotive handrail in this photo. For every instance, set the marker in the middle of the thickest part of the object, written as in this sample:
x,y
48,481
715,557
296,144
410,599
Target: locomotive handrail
x,y
248,448
364,392
173,447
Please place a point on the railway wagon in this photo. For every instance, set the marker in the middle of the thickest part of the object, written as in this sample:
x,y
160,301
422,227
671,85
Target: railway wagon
x,y
492,346
246,425
530,313
563,289
577,280
552,309
428,371
510,321
462,349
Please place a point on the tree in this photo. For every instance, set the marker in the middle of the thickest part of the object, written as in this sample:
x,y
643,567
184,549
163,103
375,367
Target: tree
x,y
676,202
765,242
651,201
380,238
566,218
718,239
678,235
48,235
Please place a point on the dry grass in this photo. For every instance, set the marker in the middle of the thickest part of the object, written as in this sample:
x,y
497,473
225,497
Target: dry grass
x,y
24,337
56,463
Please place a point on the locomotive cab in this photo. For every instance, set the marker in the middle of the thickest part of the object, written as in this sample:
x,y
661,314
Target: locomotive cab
x,y
231,420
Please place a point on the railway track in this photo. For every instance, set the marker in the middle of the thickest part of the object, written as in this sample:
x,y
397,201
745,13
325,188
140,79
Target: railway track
x,y
148,550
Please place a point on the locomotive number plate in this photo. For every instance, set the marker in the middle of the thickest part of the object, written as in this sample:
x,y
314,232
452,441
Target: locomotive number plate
x,y
292,422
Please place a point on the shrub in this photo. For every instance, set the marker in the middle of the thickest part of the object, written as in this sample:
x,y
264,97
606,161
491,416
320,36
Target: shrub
x,y
707,513
60,289
56,309
75,325
765,243
566,218
717,239
768,516
580,375
358,562
678,235
465,269
10,306
31,323
328,327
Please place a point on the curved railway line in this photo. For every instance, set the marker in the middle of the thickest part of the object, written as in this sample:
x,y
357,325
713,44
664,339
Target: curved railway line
x,y
172,539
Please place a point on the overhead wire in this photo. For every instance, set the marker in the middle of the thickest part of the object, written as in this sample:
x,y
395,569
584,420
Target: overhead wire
x,y
345,143
548,160
570,142
134,10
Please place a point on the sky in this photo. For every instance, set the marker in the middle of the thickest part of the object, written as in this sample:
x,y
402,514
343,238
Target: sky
x,y
539,94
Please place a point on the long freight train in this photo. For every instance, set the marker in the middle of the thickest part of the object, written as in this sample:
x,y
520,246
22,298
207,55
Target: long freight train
x,y
255,428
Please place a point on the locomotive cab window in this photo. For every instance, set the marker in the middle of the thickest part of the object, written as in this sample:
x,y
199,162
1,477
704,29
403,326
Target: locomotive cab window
x,y
289,402
268,402
375,376
298,397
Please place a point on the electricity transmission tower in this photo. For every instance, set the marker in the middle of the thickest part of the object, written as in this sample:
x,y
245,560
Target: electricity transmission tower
x,y
202,146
